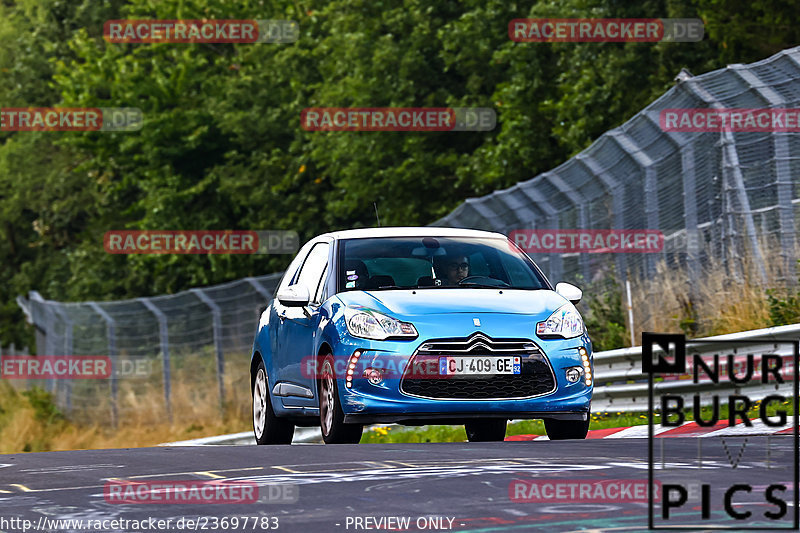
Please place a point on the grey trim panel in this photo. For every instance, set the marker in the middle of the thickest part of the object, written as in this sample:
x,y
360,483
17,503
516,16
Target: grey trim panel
x,y
290,389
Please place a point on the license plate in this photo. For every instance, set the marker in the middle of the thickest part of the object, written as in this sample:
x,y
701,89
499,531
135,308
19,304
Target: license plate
x,y
464,366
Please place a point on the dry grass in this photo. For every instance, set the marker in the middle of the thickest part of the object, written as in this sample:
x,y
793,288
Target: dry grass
x,y
722,301
27,424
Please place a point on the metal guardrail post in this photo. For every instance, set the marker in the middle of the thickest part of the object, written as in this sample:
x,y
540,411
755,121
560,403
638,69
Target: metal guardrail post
x,y
111,332
163,337
216,315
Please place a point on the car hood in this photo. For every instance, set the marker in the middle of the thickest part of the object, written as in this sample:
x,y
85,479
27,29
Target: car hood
x,y
403,303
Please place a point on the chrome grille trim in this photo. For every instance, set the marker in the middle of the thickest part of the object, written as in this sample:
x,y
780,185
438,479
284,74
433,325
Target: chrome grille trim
x,y
478,340
526,348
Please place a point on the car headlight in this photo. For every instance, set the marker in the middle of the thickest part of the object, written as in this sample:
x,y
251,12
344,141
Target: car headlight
x,y
565,322
369,324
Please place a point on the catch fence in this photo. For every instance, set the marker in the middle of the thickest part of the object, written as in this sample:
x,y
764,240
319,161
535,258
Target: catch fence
x,y
724,196
200,338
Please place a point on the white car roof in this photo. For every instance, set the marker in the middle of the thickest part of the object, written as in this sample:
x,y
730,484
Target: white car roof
x,y
411,232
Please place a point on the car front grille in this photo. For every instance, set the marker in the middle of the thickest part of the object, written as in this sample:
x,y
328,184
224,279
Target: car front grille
x,y
536,377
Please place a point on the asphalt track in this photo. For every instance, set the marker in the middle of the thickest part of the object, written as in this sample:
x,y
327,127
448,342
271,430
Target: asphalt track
x,y
461,486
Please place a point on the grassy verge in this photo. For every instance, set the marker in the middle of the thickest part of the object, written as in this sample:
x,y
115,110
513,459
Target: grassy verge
x,y
30,422
604,420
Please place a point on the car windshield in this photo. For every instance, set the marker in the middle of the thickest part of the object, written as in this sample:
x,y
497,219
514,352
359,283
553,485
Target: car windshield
x,y
435,262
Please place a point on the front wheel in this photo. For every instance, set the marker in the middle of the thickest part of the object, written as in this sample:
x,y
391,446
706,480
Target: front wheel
x,y
566,429
268,428
490,430
331,416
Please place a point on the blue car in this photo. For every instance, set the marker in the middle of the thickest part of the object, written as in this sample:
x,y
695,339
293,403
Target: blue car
x,y
419,326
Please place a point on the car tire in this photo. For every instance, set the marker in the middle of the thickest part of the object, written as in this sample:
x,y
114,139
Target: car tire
x,y
489,430
566,429
267,428
331,416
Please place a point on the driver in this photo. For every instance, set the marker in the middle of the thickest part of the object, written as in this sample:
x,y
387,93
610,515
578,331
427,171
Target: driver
x,y
453,269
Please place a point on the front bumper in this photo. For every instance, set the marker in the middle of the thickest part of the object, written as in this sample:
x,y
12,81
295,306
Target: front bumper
x,y
384,402
456,419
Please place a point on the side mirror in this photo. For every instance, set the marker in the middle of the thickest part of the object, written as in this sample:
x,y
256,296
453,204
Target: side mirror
x,y
570,292
294,296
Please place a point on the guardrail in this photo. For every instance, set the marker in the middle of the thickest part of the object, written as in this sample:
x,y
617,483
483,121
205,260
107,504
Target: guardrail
x,y
620,385
302,435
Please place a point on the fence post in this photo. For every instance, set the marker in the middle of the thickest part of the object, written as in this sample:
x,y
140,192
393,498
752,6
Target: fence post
x,y
731,170
733,167
579,204
68,350
783,173
163,337
46,331
690,215
617,193
216,316
529,190
629,146
111,332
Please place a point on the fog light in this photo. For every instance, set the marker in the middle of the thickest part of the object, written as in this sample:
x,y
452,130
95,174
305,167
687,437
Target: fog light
x,y
573,374
374,376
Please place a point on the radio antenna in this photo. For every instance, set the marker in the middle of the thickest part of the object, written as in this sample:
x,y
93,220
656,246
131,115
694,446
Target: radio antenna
x,y
376,214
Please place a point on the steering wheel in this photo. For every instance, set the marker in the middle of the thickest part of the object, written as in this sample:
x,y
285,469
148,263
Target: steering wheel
x,y
499,283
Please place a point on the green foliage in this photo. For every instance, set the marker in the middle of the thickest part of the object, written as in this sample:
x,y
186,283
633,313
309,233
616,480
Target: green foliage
x,y
222,147
605,319
784,310
44,408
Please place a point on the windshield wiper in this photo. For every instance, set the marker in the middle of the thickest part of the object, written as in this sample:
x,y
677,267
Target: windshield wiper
x,y
484,285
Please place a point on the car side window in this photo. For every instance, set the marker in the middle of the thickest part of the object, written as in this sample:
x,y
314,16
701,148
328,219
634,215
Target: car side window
x,y
312,269
291,271
322,293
